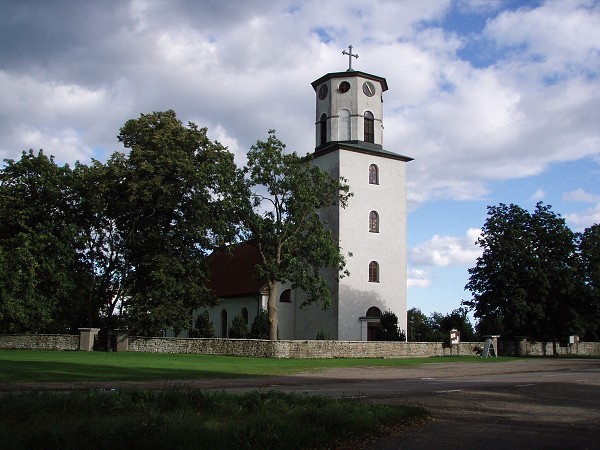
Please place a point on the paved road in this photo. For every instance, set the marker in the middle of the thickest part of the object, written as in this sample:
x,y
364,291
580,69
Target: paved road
x,y
530,404
517,404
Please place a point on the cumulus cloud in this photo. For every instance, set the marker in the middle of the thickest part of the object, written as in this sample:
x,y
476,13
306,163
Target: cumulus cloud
x,y
74,72
418,278
579,195
538,195
442,251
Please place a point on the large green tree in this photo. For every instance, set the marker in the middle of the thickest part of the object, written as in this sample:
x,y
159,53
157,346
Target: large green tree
x,y
287,193
38,244
527,280
181,196
589,248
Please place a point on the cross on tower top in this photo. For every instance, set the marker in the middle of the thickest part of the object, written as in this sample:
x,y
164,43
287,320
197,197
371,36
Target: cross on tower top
x,y
350,56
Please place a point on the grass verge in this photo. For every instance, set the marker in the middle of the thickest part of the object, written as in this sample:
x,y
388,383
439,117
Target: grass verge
x,y
196,419
35,366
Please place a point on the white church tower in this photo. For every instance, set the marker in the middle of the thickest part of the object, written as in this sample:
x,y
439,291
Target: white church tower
x,y
372,228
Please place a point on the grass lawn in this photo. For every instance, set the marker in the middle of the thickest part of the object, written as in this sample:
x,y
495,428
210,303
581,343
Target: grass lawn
x,y
191,419
25,366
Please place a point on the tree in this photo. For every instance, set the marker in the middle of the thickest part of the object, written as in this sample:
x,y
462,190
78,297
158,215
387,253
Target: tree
x,y
179,197
456,320
437,327
419,326
203,327
260,325
589,249
526,279
239,328
287,194
388,328
38,242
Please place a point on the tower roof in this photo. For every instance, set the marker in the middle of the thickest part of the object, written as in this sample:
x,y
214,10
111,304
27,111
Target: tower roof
x,y
360,147
350,73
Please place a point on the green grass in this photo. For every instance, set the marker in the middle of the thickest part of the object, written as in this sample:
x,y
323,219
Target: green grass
x,y
29,366
190,419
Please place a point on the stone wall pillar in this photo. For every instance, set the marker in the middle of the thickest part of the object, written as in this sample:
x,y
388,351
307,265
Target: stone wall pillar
x,y
122,338
521,344
87,337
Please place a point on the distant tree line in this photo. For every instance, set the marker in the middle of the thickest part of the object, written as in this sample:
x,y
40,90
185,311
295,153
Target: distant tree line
x,y
437,326
536,277
123,243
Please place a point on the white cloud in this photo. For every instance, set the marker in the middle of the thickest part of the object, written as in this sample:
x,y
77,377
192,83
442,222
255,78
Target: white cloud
x,y
418,278
241,69
538,195
584,219
443,251
579,195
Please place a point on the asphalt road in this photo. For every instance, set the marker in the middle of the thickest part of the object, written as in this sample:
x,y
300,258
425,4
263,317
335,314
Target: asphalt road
x,y
537,403
525,404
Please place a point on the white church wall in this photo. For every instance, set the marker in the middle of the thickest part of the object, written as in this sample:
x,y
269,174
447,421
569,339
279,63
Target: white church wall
x,y
232,306
387,247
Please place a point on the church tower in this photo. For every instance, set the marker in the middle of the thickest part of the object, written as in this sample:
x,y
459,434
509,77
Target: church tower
x,y
372,228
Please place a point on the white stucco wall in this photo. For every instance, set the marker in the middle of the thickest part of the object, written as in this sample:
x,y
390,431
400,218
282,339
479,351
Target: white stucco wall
x,y
388,247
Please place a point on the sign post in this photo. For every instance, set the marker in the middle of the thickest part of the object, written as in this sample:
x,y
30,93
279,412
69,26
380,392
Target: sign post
x,y
455,341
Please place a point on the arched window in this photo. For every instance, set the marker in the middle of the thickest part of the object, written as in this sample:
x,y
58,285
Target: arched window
x,y
369,127
373,222
286,296
374,272
224,323
323,129
245,314
344,125
373,174
373,312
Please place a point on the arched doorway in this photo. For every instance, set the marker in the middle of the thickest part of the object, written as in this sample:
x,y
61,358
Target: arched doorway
x,y
224,323
372,318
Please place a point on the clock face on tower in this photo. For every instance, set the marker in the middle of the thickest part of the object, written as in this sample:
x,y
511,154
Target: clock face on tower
x,y
368,89
323,90
344,87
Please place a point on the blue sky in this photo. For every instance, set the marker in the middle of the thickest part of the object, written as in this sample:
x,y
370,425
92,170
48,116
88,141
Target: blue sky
x,y
496,101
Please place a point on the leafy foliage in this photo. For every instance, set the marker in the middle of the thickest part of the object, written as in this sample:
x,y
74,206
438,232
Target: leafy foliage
x,y
238,328
528,279
203,327
437,327
123,240
589,248
287,194
260,325
388,328
39,271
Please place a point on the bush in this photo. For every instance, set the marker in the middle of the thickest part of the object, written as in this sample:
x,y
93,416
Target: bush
x,y
388,328
260,326
238,329
203,327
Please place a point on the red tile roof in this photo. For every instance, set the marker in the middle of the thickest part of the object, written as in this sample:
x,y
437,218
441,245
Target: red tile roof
x,y
233,271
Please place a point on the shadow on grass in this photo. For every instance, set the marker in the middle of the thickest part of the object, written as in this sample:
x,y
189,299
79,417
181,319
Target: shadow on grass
x,y
46,371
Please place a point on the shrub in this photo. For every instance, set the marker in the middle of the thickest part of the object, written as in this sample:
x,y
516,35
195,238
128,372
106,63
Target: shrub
x,y
260,326
388,328
238,329
203,327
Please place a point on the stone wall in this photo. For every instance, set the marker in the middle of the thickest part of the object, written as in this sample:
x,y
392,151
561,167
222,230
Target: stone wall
x,y
299,349
296,349
39,341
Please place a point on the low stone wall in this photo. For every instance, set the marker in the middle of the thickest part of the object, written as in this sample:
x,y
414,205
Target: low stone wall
x,y
39,341
299,349
563,349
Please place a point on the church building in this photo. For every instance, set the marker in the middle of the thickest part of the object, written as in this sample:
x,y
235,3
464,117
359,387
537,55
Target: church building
x,y
372,228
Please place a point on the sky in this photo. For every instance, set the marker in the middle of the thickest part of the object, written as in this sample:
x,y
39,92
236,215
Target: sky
x,y
496,101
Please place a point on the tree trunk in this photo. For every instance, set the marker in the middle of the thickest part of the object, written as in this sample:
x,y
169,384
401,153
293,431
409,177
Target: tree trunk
x,y
272,309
